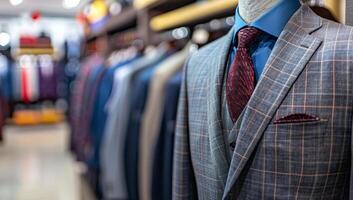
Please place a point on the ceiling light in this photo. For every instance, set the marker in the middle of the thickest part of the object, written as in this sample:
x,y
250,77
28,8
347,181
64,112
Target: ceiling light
x,y
68,4
4,39
16,2
115,8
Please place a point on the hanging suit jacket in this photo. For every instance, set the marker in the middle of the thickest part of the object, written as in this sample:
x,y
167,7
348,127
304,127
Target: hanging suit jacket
x,y
293,140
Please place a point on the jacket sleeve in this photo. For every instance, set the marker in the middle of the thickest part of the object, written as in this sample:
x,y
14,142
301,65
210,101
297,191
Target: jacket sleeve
x,y
184,184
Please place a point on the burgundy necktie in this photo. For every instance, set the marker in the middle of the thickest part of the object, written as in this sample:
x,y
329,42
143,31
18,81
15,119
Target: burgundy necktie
x,y
241,77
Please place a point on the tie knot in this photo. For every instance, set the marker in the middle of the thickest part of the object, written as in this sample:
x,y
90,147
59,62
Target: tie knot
x,y
247,36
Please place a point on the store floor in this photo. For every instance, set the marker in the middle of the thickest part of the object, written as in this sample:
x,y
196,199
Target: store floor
x,y
35,165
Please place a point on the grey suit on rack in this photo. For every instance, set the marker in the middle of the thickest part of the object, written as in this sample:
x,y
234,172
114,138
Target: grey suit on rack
x,y
293,140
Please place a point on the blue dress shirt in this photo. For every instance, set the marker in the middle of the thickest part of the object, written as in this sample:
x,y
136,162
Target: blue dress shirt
x,y
271,24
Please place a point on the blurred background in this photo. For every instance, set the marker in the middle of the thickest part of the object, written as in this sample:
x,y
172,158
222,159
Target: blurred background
x,y
72,117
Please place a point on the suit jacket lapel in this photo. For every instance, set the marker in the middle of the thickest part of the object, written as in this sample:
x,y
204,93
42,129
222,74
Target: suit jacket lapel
x,y
293,50
217,64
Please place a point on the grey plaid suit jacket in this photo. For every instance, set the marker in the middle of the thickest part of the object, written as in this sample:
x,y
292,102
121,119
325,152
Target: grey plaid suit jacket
x,y
309,73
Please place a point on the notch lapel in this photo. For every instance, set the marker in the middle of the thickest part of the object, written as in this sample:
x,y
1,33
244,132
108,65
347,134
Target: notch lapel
x,y
293,50
217,63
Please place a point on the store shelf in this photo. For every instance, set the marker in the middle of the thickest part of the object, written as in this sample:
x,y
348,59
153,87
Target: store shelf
x,y
37,117
161,5
337,8
118,22
194,13
35,51
127,18
140,4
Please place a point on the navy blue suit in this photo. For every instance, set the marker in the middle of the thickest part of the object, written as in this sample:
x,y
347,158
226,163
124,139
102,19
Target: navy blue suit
x,y
163,156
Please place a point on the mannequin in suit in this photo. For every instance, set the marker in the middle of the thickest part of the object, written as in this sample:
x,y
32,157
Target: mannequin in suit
x,y
293,139
252,9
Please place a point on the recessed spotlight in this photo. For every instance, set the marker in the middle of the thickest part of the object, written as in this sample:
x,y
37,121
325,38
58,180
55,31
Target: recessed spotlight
x,y
16,2
68,4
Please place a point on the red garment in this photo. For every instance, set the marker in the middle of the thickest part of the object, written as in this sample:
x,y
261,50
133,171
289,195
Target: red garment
x,y
25,85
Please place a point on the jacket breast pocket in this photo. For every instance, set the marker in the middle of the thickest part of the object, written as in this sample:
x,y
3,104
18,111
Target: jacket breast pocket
x,y
296,126
305,153
291,144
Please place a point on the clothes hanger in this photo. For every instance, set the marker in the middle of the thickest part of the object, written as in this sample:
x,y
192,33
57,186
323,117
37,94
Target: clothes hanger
x,y
175,39
124,46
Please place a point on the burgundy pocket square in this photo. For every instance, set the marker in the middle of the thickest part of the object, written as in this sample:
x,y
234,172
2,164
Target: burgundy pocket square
x,y
297,118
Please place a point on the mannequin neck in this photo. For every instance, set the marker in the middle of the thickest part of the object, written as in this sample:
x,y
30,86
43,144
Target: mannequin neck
x,y
250,10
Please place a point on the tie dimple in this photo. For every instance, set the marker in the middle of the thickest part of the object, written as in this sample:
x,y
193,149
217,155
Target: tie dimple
x,y
247,36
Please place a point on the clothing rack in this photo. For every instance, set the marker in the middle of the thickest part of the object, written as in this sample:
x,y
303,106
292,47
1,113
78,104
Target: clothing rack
x,y
33,77
123,39
132,28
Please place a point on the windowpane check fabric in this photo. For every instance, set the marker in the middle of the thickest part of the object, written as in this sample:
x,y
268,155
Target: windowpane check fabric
x,y
309,72
241,77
